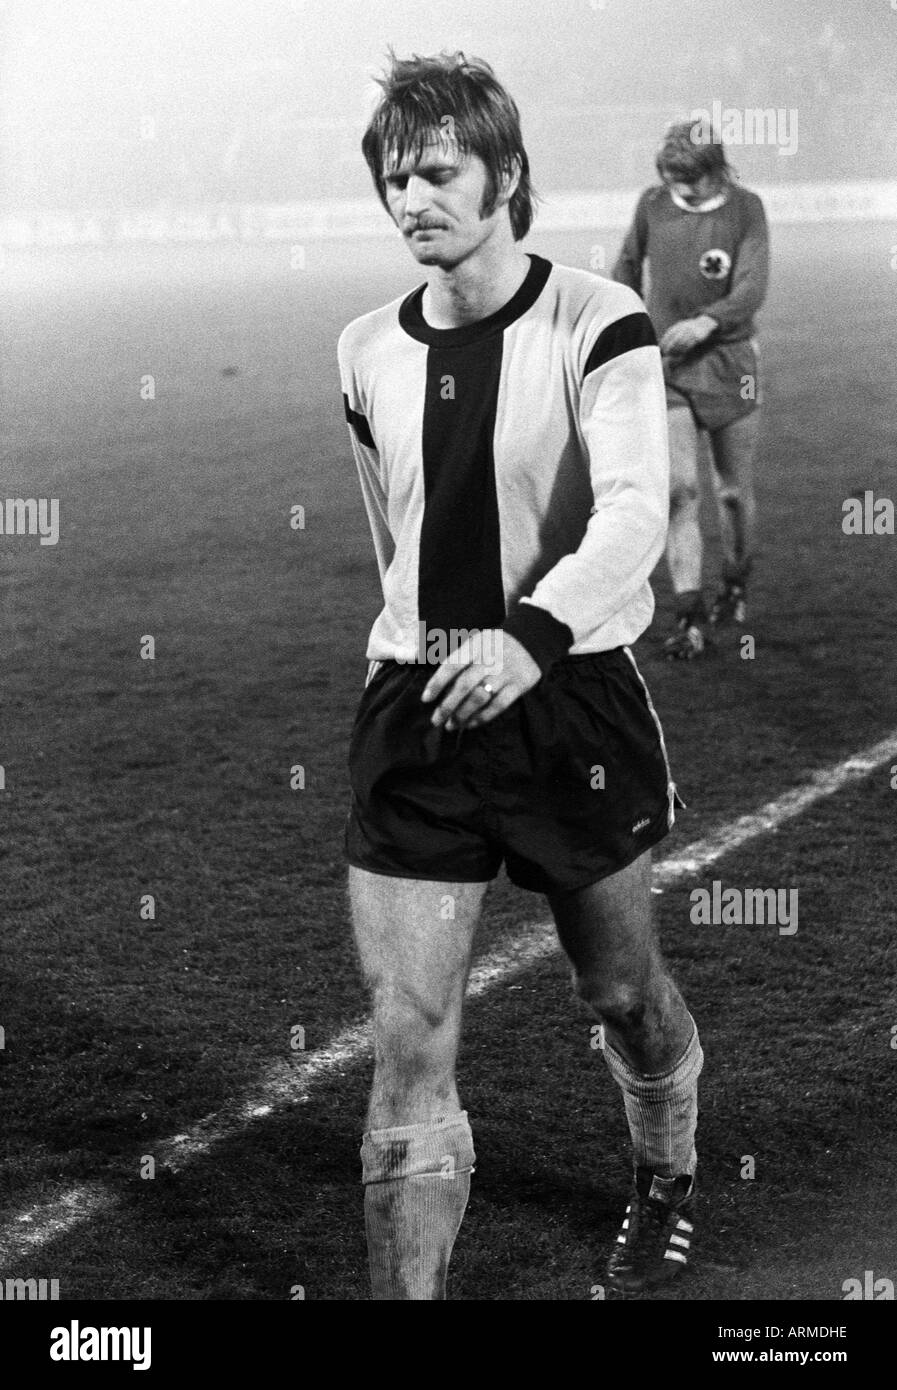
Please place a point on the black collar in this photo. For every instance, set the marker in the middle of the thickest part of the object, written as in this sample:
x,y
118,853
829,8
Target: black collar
x,y
414,323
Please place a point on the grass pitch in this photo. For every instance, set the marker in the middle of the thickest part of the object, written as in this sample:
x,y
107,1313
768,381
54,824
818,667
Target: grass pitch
x,y
172,778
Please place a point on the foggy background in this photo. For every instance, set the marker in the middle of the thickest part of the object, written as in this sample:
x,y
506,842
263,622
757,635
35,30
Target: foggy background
x,y
107,105
178,399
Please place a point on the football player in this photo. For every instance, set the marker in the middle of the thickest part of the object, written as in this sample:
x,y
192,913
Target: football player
x,y
508,423
705,239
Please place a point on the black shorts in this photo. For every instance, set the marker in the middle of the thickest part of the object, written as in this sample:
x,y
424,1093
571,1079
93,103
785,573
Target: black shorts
x,y
567,786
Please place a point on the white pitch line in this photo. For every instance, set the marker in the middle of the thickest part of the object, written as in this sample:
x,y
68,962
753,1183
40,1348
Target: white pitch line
x,y
31,1229
775,813
285,1084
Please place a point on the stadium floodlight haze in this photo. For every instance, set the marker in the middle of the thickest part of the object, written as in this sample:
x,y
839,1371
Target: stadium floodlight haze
x,y
110,106
447,744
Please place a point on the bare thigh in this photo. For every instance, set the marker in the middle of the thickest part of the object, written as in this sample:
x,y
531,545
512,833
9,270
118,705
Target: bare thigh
x,y
684,446
733,450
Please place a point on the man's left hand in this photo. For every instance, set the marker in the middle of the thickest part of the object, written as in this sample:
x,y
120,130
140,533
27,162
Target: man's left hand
x,y
681,337
480,680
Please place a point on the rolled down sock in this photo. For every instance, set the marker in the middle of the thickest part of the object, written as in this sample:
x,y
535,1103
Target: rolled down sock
x,y
417,1182
690,605
662,1110
737,571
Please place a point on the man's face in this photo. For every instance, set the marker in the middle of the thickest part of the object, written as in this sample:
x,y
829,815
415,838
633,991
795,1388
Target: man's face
x,y
436,201
693,191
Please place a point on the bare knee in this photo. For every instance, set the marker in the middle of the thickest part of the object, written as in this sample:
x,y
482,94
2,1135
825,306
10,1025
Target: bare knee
x,y
415,1045
729,496
620,1003
683,496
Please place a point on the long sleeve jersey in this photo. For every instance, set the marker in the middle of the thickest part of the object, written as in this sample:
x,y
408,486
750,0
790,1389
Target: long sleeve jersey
x,y
514,470
712,262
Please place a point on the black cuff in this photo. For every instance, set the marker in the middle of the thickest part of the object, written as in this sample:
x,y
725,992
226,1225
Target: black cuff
x,y
545,638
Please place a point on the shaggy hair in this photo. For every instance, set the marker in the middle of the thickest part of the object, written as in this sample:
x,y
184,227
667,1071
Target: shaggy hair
x,y
460,99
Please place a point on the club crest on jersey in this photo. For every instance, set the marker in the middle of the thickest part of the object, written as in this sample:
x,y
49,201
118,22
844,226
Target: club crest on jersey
x,y
715,264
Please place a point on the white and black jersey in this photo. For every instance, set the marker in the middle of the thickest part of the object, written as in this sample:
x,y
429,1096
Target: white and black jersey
x,y
514,470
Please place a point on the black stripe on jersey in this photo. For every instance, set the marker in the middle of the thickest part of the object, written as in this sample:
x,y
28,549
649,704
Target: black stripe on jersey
x,y
632,331
359,425
459,564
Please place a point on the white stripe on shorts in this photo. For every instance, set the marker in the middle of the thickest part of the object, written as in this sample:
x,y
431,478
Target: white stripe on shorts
x,y
671,785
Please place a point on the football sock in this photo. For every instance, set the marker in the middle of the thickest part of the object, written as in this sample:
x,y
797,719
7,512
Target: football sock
x,y
417,1181
662,1110
736,573
690,605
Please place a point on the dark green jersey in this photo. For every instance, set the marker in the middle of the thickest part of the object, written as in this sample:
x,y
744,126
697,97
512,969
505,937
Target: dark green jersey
x,y
714,262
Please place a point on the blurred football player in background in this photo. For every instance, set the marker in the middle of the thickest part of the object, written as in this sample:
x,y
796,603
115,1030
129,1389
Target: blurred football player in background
x,y
706,242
